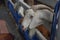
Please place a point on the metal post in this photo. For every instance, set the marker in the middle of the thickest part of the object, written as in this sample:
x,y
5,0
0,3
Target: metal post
x,y
53,30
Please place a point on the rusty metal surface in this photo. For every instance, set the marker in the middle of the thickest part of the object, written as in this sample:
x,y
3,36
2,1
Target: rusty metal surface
x,y
6,36
44,31
4,33
3,27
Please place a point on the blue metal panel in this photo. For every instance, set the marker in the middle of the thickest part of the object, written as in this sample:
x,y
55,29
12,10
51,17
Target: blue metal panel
x,y
14,13
25,33
17,18
35,37
55,20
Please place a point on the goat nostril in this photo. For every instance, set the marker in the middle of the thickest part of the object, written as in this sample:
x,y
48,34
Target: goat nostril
x,y
31,17
21,20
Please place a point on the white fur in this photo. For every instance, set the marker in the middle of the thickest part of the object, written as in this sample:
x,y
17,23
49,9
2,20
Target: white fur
x,y
27,20
41,14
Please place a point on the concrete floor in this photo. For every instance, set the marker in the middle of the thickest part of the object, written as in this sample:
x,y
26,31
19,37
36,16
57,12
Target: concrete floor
x,y
11,25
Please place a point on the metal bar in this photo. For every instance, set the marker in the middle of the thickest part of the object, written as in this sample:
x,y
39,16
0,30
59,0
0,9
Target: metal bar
x,y
26,6
40,35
